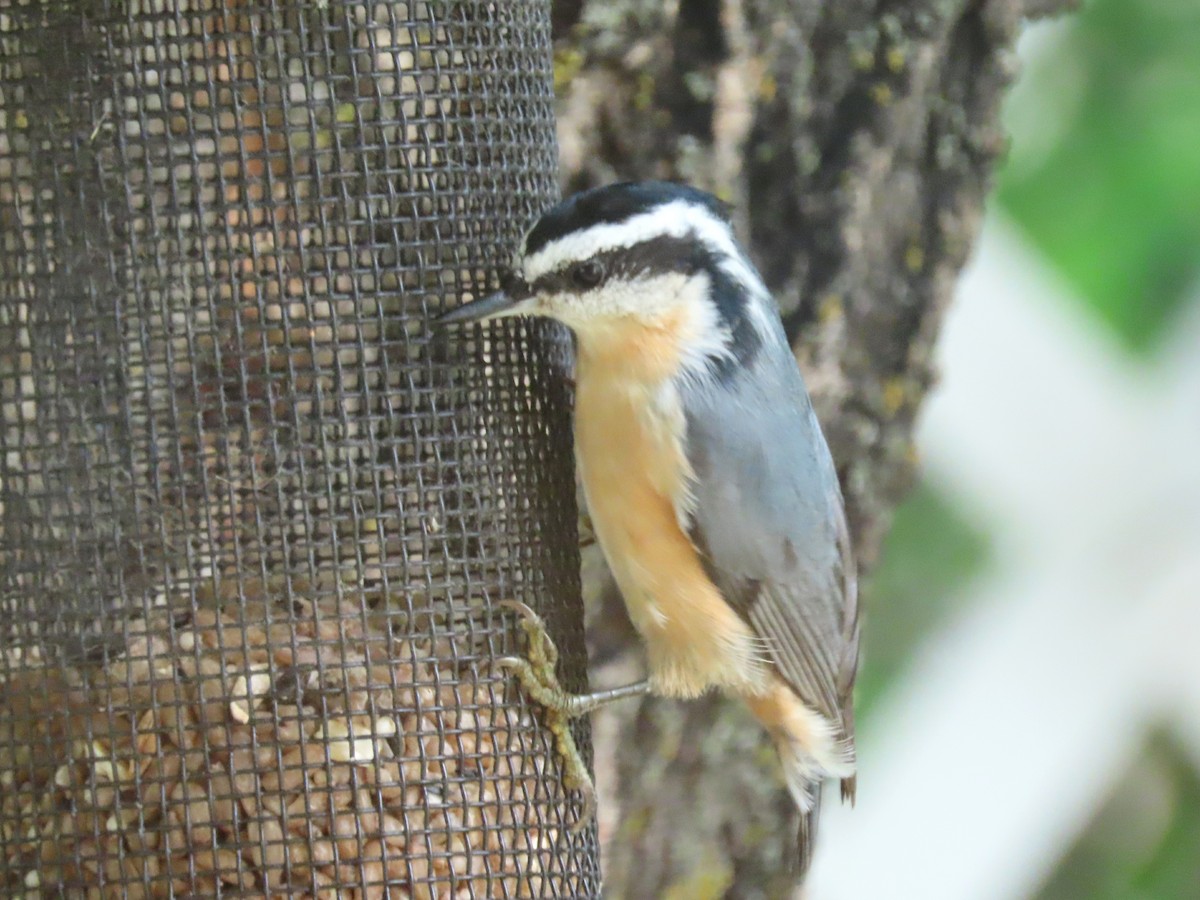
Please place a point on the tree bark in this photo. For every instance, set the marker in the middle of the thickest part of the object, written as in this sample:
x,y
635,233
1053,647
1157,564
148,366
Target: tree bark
x,y
855,139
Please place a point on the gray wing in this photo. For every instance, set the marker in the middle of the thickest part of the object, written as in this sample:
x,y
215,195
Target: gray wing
x,y
769,520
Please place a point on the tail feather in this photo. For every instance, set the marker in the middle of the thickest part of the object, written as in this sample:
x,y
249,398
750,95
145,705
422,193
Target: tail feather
x,y
804,777
806,837
850,789
812,749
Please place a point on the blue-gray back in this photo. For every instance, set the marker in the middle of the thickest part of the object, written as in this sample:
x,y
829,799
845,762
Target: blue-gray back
x,y
769,520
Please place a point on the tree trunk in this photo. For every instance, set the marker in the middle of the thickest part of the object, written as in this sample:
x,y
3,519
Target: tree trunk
x,y
855,139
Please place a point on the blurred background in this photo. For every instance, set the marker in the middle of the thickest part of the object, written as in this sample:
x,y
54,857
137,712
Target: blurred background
x,y
1031,693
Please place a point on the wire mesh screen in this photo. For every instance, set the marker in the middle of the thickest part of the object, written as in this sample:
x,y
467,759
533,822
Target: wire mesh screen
x,y
254,519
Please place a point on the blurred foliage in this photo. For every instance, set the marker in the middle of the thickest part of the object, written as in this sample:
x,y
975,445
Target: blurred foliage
x,y
1103,177
1104,171
1144,843
931,551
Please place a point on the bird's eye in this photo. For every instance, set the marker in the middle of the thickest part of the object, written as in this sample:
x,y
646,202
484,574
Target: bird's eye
x,y
587,274
510,282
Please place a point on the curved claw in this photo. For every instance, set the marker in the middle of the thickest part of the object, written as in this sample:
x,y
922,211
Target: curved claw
x,y
524,609
541,652
587,813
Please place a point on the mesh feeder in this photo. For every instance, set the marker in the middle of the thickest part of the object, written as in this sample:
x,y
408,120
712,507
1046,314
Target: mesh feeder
x,y
255,525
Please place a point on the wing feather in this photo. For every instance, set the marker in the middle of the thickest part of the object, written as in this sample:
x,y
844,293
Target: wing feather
x,y
767,516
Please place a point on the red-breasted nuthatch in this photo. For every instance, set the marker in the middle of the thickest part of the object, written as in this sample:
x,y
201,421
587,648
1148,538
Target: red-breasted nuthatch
x,y
709,483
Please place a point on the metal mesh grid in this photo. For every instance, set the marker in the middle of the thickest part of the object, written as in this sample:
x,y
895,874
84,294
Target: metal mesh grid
x,y
254,521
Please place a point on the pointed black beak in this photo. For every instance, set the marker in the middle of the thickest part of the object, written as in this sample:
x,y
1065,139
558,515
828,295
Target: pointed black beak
x,y
492,305
503,302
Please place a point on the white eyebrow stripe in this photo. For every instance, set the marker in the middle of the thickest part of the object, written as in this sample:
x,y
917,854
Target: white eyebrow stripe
x,y
675,219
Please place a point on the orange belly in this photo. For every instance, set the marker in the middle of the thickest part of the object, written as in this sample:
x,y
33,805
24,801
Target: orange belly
x,y
635,474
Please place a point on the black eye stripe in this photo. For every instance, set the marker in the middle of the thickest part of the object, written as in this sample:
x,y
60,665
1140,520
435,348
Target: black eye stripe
x,y
657,256
665,255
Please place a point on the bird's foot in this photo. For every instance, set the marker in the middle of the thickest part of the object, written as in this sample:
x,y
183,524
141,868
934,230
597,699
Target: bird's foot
x,y
536,673
538,679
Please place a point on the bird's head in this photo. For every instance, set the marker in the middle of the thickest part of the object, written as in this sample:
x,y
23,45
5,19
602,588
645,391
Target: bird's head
x,y
645,264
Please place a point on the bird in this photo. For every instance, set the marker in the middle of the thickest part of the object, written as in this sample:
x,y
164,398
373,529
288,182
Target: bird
x,y
708,479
